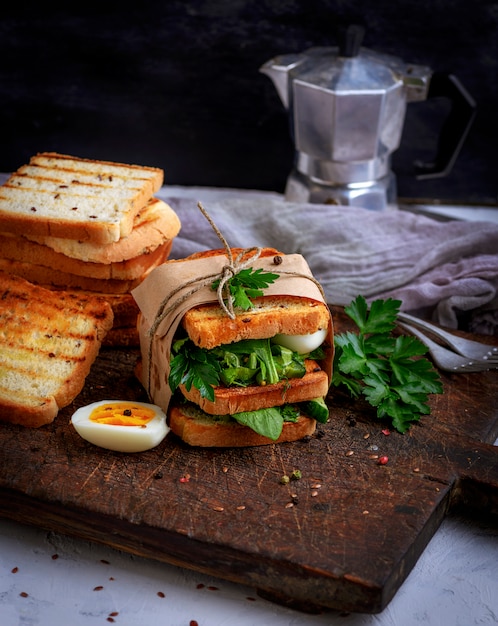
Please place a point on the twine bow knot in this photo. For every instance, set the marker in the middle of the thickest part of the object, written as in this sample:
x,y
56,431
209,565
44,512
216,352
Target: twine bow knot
x,y
231,269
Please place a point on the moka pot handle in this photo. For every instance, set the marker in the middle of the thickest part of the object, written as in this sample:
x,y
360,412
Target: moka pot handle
x,y
454,129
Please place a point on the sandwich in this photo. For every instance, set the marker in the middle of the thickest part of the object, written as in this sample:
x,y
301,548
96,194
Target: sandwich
x,y
257,377
48,343
86,226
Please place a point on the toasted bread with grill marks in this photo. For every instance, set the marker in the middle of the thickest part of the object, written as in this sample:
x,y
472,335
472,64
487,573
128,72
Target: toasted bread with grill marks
x,y
64,196
49,341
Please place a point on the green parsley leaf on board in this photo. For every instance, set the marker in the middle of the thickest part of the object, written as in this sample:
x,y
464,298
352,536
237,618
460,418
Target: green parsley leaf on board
x,y
390,372
247,284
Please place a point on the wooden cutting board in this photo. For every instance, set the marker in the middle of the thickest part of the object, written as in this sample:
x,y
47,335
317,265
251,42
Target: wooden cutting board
x,y
344,536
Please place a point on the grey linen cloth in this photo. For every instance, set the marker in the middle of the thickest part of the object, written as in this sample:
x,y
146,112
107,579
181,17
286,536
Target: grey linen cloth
x,y
438,270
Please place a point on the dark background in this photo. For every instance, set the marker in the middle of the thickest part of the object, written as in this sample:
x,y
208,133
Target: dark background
x,y
175,84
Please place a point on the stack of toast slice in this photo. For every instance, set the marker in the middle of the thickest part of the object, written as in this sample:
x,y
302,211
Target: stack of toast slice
x,y
49,341
85,225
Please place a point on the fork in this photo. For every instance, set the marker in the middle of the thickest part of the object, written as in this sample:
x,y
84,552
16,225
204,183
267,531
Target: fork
x,y
447,359
466,347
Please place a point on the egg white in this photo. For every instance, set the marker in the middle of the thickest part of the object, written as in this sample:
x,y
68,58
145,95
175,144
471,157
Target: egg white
x,y
117,437
302,344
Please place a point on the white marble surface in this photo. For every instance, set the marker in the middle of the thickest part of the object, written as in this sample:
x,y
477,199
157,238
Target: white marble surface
x,y
47,579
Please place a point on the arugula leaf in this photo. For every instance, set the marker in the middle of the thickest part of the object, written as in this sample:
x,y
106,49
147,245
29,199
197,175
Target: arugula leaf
x,y
247,362
261,349
247,284
391,373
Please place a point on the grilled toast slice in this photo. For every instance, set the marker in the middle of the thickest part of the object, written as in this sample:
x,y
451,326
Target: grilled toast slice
x,y
64,196
22,250
155,224
49,341
52,278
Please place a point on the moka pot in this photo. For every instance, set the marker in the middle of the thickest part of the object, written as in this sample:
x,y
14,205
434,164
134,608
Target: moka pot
x,y
347,107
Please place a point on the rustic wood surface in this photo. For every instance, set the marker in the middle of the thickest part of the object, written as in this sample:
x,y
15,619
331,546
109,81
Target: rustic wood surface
x,y
344,536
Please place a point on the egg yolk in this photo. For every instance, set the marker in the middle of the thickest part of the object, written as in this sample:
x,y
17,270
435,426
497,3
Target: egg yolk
x,y
121,414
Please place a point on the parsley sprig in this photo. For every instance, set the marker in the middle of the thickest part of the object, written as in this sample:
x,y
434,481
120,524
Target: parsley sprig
x,y
194,366
247,284
390,372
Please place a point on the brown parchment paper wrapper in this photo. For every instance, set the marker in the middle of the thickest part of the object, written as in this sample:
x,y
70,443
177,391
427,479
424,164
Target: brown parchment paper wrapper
x,y
175,277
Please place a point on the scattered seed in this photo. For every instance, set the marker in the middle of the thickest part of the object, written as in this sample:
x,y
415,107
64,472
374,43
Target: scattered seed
x,y
349,453
289,505
55,557
225,469
98,588
23,594
14,570
416,469
200,586
314,493
241,507
193,622
212,588
373,456
366,435
316,486
365,512
218,508
161,594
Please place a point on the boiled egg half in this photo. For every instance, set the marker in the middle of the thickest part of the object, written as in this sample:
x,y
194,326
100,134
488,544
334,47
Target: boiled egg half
x,y
302,344
121,425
